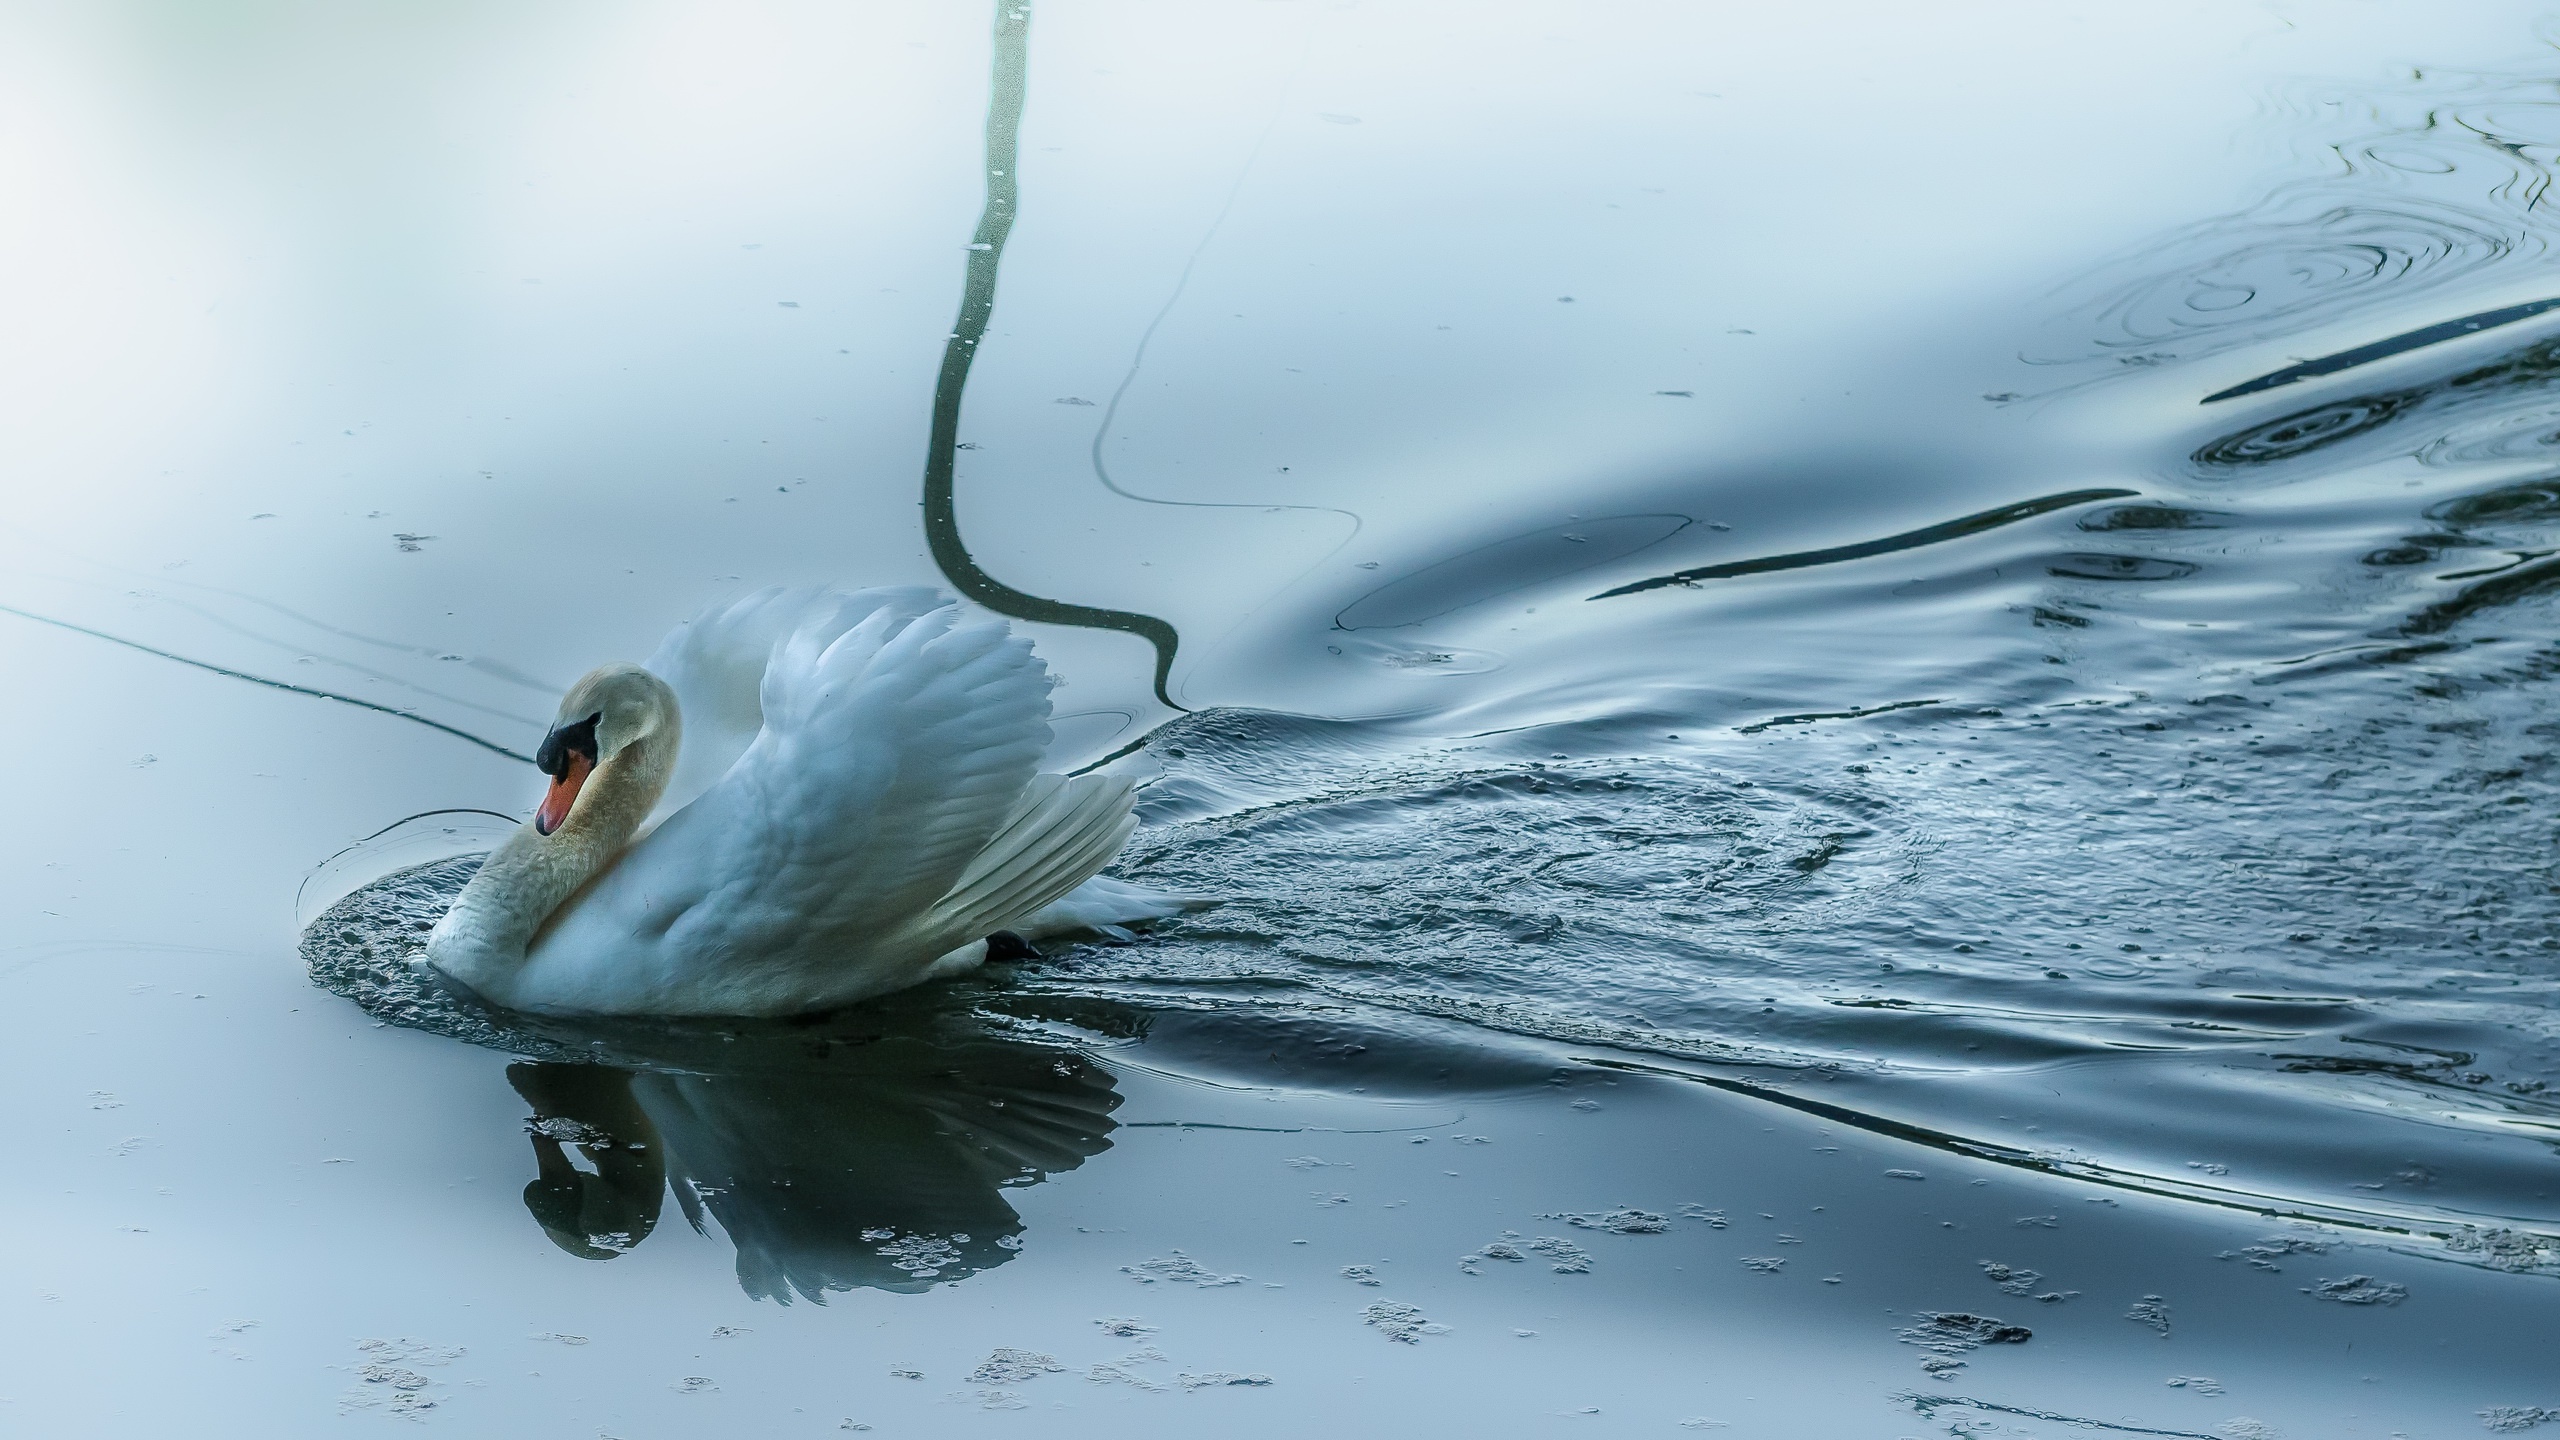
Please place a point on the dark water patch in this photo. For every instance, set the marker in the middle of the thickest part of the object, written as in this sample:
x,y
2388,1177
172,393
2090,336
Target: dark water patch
x,y
2091,566
2417,550
1973,524
1505,566
2155,517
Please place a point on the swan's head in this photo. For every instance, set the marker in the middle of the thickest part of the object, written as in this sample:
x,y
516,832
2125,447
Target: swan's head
x,y
604,714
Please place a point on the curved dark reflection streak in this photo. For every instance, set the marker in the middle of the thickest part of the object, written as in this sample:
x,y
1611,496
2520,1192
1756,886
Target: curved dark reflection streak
x,y
2400,344
977,303
378,708
1973,524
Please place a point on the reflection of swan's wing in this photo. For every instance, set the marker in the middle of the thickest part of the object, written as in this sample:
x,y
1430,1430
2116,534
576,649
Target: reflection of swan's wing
x,y
890,753
829,1183
716,662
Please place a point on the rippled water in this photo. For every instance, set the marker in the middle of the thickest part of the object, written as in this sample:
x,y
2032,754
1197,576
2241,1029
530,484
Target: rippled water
x,y
1847,682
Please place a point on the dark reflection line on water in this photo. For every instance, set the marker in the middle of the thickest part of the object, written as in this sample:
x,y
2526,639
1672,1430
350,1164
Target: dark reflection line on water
x,y
2088,1172
1927,1406
378,708
1973,524
2400,344
977,304
1811,716
1138,358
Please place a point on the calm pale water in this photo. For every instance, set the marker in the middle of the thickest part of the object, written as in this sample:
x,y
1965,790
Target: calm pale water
x,y
1869,693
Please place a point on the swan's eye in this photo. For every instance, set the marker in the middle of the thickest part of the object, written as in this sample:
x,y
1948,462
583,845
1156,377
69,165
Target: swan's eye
x,y
568,753
564,741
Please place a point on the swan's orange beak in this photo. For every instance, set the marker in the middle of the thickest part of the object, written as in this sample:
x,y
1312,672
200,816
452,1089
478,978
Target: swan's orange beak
x,y
563,793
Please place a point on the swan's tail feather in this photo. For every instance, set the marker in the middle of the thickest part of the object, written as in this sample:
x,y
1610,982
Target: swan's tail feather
x,y
1102,904
1059,833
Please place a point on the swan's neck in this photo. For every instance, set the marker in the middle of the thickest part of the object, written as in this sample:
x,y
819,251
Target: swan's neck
x,y
483,939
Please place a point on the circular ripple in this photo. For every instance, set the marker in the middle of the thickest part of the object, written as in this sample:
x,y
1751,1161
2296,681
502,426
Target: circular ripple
x,y
2305,431
2533,502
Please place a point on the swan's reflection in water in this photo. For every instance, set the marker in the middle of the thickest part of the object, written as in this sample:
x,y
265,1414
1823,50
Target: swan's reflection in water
x,y
870,1147
833,1156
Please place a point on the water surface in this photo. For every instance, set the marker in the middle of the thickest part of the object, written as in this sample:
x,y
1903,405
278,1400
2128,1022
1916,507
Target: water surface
x,y
1849,682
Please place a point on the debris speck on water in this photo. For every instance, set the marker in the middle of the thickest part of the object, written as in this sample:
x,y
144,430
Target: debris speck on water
x,y
2508,1419
1178,1269
1714,1219
2200,1384
2018,1280
2153,1311
1625,1220
1219,1377
1124,1326
1400,1322
1957,1333
1765,1264
1569,1258
1009,1366
1361,1275
1904,1175
2267,1252
2359,1290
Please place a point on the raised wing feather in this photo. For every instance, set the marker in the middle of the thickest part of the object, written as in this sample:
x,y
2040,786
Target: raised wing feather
x,y
716,662
891,750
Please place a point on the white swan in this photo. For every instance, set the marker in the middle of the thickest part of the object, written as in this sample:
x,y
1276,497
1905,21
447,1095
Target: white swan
x,y
833,796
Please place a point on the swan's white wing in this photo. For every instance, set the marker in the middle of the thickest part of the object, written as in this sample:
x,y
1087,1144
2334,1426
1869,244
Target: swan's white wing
x,y
716,661
890,753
